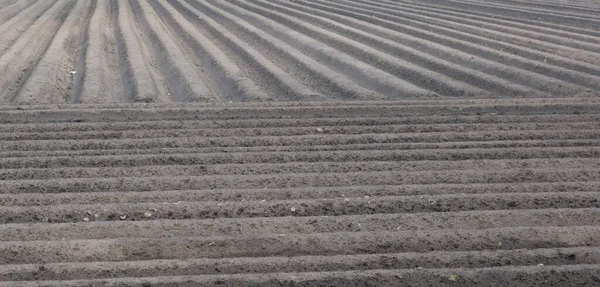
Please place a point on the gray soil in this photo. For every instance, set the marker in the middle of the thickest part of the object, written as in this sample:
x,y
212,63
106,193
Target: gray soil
x,y
434,193
299,143
102,52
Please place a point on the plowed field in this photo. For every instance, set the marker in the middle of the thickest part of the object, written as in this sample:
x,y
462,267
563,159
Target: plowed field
x,y
67,51
380,143
355,194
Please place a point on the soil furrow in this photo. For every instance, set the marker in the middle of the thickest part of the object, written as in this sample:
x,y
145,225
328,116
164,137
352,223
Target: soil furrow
x,y
17,62
434,122
422,52
495,24
258,67
59,61
533,21
230,78
255,226
552,17
342,243
560,51
304,140
100,79
390,57
289,122
297,131
184,79
329,81
273,168
535,9
299,143
579,275
488,60
447,259
361,72
307,180
300,207
386,109
13,9
555,30
12,29
145,82
298,148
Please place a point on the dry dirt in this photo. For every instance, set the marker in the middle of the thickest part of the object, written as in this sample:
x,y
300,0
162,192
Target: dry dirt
x,y
403,193
97,52
379,143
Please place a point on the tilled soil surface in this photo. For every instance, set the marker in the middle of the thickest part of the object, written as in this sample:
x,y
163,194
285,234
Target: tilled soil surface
x,y
403,193
113,51
380,143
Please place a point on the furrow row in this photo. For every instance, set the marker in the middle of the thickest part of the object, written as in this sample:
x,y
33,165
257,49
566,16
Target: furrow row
x,y
19,60
239,112
578,275
386,261
532,8
533,21
265,245
573,20
298,131
12,10
303,140
54,76
238,63
457,48
296,167
299,207
101,52
306,180
521,38
519,25
466,122
256,226
299,148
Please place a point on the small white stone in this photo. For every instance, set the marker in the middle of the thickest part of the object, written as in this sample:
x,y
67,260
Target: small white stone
x,y
147,214
293,209
320,130
123,217
86,219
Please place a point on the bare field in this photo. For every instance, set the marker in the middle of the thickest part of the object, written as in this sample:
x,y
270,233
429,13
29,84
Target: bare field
x,y
426,193
67,51
379,143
